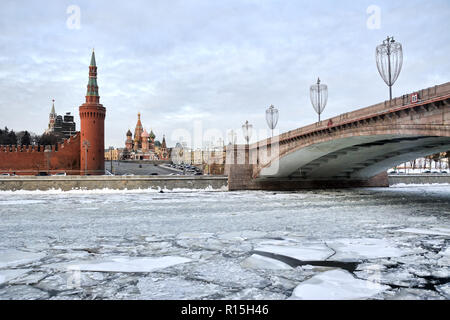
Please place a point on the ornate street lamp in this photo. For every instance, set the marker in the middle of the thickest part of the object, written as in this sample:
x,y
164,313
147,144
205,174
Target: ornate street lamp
x,y
220,143
232,137
272,117
247,130
389,56
319,96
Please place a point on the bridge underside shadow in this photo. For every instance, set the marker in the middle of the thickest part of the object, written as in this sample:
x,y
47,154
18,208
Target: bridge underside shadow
x,y
358,161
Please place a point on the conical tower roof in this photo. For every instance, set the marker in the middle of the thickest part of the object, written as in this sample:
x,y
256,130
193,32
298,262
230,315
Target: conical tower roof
x,y
53,108
139,124
145,134
163,145
93,59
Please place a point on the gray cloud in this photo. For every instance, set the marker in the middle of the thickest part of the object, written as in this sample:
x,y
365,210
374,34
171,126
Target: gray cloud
x,y
219,62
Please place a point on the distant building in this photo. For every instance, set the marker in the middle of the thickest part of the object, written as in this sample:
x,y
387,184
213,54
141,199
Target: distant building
x,y
143,146
114,154
65,126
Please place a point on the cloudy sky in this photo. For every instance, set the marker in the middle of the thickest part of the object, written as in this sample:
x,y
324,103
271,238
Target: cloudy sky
x,y
210,63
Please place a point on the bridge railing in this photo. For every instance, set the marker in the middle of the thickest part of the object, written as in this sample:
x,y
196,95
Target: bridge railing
x,y
386,106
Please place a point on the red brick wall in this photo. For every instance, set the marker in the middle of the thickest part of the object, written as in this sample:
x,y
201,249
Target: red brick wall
x,y
30,161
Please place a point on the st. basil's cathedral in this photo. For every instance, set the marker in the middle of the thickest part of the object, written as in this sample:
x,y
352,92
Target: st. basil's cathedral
x,y
143,146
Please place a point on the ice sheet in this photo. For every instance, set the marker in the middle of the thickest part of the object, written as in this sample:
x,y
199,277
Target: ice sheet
x,y
435,231
304,252
12,257
363,248
255,261
128,264
8,275
336,285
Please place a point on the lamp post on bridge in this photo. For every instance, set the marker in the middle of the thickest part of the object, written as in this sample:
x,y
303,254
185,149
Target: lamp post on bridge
x,y
247,130
272,117
232,137
389,56
319,95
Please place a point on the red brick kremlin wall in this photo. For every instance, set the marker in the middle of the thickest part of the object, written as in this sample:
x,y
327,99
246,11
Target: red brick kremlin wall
x,y
28,160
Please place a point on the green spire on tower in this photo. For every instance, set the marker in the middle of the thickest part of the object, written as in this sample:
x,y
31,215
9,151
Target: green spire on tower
x,y
93,59
92,87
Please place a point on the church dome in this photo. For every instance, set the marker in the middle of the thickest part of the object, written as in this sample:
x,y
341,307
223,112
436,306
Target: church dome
x,y
129,134
152,135
145,134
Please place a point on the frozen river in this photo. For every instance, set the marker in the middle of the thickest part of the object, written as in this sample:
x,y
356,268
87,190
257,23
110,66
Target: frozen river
x,y
382,243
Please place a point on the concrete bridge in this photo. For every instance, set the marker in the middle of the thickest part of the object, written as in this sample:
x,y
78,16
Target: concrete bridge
x,y
351,150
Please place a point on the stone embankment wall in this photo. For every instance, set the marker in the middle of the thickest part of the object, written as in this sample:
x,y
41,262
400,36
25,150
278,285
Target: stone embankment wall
x,y
419,179
110,182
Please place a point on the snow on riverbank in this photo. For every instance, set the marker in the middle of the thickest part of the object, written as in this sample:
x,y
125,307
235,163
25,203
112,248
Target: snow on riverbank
x,y
108,191
408,185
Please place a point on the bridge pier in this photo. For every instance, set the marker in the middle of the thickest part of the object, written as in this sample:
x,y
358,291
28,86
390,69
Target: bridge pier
x,y
240,178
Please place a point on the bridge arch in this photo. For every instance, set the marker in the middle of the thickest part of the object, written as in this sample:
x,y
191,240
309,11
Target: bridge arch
x,y
356,153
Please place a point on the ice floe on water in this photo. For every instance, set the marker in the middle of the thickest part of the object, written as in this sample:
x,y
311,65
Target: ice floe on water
x,y
12,257
336,285
303,252
413,294
335,250
444,290
433,231
141,244
445,260
363,248
256,261
128,264
8,275
175,288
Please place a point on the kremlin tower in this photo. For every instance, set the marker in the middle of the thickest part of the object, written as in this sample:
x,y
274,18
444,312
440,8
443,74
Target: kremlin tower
x,y
52,118
92,131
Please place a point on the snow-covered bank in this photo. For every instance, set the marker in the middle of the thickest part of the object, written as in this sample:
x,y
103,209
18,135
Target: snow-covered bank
x,y
109,191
